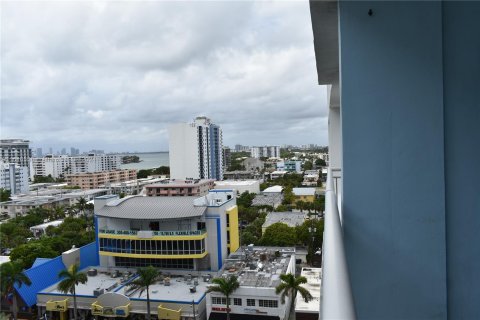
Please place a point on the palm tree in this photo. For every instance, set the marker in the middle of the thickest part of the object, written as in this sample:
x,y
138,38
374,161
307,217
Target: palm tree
x,y
146,277
11,274
71,279
225,287
290,286
81,204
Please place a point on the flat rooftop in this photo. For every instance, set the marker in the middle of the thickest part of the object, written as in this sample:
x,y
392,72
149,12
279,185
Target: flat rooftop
x,y
236,182
270,199
47,224
177,291
273,189
303,191
258,266
174,183
291,219
314,281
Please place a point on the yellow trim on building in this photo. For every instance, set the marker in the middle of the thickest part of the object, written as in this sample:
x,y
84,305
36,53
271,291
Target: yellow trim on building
x,y
154,256
119,236
168,314
57,305
120,311
233,228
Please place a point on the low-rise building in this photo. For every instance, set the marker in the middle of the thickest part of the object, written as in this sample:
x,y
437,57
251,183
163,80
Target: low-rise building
x,y
278,174
273,189
240,186
180,188
41,229
273,199
311,178
239,175
133,187
187,233
187,238
291,219
304,194
309,310
48,199
258,270
290,166
94,180
253,164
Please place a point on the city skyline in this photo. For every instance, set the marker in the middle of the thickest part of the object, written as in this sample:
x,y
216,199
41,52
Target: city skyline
x,y
98,75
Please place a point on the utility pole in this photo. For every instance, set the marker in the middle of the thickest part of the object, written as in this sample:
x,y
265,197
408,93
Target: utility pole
x,y
193,309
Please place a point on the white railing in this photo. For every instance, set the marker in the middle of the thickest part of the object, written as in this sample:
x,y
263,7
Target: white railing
x,y
336,297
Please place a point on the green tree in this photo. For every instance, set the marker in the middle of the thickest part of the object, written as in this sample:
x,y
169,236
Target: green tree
x,y
11,274
225,287
146,277
42,179
307,165
288,196
310,234
248,238
71,279
163,170
245,199
144,173
13,234
26,253
319,204
289,287
320,163
301,205
81,204
279,234
4,194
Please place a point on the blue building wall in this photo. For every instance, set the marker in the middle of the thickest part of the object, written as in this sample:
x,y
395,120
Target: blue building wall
x,y
393,158
461,36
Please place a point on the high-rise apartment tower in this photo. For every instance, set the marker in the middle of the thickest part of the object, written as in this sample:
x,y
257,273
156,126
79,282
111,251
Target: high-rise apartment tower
x,y
196,150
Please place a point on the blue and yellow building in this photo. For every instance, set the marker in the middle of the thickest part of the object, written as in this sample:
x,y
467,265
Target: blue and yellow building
x,y
186,233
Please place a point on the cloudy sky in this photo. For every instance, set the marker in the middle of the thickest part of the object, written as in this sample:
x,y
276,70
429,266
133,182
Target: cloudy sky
x,y
113,75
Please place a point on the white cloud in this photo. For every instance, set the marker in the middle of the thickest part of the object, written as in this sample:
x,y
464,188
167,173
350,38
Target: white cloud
x,y
112,75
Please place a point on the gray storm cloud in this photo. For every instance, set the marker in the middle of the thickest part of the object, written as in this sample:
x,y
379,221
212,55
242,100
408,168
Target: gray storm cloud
x,y
112,75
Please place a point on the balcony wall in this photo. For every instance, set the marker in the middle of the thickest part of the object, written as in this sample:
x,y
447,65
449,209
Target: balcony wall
x,y
393,158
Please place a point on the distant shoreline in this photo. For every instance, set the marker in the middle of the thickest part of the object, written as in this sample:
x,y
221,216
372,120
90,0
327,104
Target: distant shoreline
x,y
139,152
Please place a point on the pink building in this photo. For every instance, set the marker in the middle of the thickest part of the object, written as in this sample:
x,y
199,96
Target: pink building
x,y
180,188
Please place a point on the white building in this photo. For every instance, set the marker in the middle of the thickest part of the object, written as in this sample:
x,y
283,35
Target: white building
x,y
15,151
240,186
309,310
265,151
195,150
258,270
57,166
14,178
273,189
41,229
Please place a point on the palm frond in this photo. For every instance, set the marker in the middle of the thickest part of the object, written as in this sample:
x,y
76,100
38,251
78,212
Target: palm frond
x,y
305,294
280,287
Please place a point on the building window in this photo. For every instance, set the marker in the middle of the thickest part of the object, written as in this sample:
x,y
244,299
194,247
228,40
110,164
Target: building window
x,y
268,303
237,301
219,300
251,302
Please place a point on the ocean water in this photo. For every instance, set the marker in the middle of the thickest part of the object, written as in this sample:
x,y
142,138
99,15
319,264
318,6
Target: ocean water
x,y
147,160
